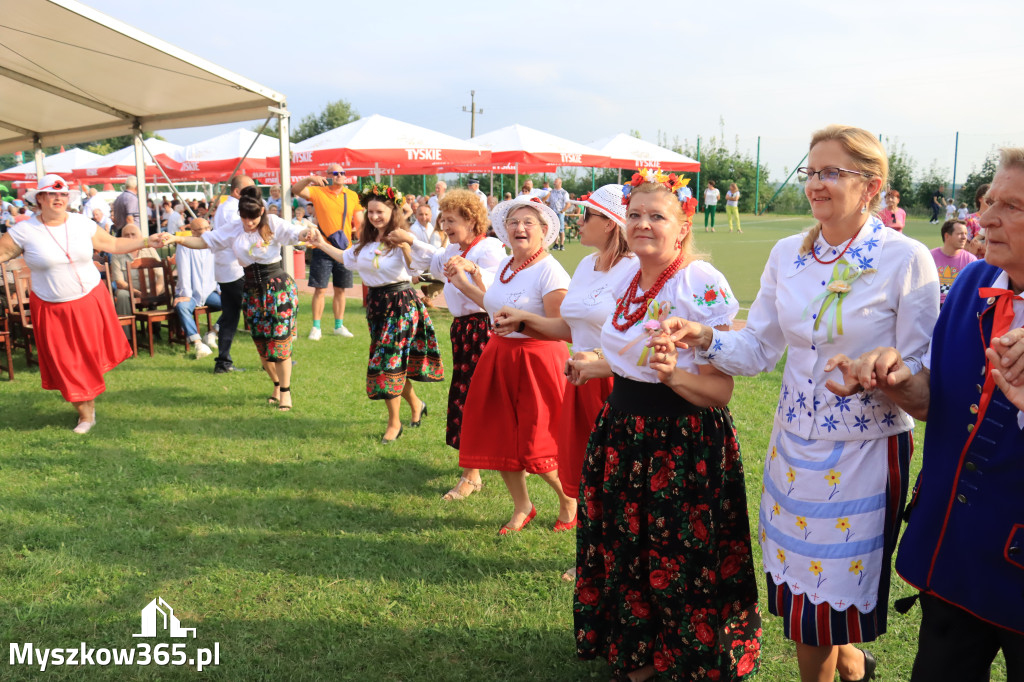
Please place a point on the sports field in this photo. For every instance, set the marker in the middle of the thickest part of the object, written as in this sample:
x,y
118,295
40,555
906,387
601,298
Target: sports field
x,y
295,543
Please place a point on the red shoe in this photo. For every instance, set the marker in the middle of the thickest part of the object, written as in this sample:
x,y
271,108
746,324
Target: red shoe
x,y
505,530
566,525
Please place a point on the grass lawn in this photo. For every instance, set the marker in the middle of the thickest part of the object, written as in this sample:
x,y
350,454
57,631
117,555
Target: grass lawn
x,y
296,542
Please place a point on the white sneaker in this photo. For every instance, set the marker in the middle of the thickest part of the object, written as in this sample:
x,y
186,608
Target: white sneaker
x,y
341,331
202,350
211,340
315,334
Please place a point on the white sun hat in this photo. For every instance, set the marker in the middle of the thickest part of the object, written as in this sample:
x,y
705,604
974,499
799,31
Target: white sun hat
x,y
606,199
53,183
504,208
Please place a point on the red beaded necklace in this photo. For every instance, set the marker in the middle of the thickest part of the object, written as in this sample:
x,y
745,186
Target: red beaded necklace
x,y
519,269
629,298
468,249
830,262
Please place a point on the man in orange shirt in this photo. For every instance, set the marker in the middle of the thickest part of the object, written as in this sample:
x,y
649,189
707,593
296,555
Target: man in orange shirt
x,y
339,214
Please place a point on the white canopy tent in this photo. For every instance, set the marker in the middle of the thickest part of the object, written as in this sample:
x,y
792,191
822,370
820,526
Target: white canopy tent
x,y
63,162
71,74
626,151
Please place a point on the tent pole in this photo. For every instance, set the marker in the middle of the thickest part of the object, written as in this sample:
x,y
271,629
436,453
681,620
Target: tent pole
x,y
37,152
174,190
285,176
757,176
956,150
140,176
696,190
516,192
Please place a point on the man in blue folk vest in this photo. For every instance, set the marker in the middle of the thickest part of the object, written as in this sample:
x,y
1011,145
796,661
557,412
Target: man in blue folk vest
x,y
963,548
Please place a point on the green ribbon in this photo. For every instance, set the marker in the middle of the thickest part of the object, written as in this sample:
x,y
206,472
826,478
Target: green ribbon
x,y
841,283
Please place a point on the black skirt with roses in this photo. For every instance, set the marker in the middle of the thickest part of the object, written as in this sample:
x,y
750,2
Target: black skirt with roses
x,y
469,334
665,575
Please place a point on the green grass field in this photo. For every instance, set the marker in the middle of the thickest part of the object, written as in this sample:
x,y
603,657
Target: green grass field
x,y
297,543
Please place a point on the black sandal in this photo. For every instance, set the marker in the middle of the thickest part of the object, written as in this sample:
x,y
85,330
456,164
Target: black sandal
x,y
870,664
285,408
272,400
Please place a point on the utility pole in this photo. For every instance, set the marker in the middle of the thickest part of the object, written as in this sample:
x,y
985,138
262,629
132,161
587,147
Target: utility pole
x,y
472,111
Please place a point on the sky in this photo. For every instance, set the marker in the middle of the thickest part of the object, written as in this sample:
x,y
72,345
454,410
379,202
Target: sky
x,y
915,72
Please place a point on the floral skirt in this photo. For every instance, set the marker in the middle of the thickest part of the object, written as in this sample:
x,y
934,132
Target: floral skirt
x,y
470,334
664,568
402,343
270,313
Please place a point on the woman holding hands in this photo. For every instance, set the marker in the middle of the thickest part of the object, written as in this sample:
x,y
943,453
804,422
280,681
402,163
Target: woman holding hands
x,y
835,471
269,297
665,580
77,333
402,342
510,419
588,302
467,266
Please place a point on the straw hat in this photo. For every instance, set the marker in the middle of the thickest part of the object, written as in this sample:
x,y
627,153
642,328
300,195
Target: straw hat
x,y
53,183
504,208
607,200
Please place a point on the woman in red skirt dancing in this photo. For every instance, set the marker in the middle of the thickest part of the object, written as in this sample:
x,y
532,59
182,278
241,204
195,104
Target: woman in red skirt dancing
x,y
588,303
77,333
510,419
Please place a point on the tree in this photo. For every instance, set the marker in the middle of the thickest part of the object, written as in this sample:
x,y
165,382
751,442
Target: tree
x,y
334,115
933,178
901,169
977,178
723,166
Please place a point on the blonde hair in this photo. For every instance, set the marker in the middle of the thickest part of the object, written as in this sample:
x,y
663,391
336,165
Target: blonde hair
x,y
868,157
688,249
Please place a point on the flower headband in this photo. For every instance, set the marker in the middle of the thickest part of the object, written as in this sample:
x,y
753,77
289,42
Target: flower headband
x,y
669,181
382,192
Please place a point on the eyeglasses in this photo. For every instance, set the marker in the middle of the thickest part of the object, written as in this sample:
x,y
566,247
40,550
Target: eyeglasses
x,y
337,172
592,214
828,174
513,223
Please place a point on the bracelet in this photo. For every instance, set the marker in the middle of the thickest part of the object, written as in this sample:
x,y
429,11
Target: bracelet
x,y
522,327
599,353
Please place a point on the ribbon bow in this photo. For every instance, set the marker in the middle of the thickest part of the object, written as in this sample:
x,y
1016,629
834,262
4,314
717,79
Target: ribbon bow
x,y
841,283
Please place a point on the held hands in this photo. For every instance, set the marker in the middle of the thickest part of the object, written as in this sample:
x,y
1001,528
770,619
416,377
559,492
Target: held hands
x,y
400,237
687,334
1007,357
458,270
664,355
882,367
584,366
159,240
508,320
313,238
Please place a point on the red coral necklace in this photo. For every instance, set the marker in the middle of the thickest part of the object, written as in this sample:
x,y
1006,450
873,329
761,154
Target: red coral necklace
x,y
841,253
522,267
630,298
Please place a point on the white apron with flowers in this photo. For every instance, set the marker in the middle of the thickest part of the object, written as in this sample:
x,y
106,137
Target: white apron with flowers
x,y
823,500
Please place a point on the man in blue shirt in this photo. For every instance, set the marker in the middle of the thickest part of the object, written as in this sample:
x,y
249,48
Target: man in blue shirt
x,y
558,200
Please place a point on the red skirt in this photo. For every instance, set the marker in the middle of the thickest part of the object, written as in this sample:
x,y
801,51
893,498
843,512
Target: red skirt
x,y
580,408
78,342
510,419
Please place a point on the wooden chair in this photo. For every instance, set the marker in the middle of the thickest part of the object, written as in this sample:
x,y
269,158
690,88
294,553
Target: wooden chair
x,y
149,305
17,282
127,321
172,284
6,341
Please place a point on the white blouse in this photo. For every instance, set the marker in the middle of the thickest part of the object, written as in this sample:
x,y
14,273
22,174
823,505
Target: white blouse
x,y
249,247
697,292
379,266
55,279
527,289
591,299
487,255
893,300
